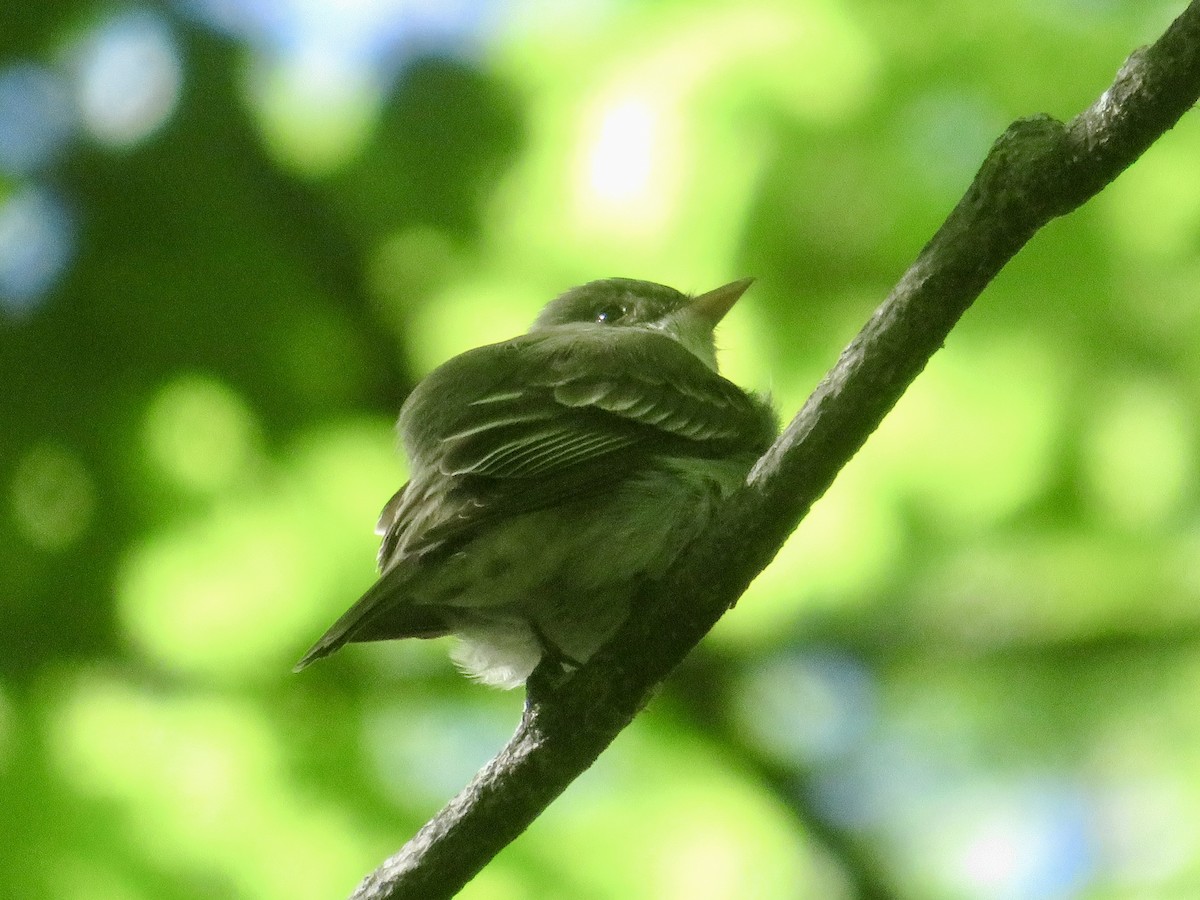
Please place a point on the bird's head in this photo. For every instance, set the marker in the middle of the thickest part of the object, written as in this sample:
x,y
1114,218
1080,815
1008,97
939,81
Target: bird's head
x,y
628,303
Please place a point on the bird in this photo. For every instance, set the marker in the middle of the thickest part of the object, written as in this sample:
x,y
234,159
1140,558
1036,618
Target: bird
x,y
553,474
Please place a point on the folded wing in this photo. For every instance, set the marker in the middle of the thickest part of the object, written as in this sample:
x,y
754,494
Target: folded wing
x,y
538,421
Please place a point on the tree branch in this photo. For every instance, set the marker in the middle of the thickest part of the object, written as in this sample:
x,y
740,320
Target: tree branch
x,y
1038,169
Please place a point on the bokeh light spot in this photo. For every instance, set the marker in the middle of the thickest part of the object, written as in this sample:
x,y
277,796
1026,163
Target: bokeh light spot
x,y
199,433
643,806
1014,840
316,109
320,70
53,497
197,782
217,598
382,33
975,438
423,752
128,78
843,554
621,158
947,135
235,594
642,162
467,315
36,117
1146,823
803,709
37,240
1139,453
1154,209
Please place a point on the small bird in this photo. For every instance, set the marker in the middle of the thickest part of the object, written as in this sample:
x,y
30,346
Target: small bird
x,y
552,474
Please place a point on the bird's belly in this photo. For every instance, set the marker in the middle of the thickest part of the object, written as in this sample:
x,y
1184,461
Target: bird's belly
x,y
565,576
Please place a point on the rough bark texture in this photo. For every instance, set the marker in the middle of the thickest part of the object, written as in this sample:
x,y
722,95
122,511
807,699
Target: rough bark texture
x,y
1039,168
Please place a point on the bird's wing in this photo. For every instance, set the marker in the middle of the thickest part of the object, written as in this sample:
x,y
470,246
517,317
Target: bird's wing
x,y
547,418
564,404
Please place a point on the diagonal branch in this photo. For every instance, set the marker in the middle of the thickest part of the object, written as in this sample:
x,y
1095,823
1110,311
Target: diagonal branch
x,y
1038,169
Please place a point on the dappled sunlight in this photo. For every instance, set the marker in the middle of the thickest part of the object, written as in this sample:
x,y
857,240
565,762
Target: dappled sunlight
x,y
806,708
843,555
655,117
238,592
943,780
423,750
472,313
226,597
117,80
1140,454
200,435
978,437
640,805
997,594
1017,591
198,782
1153,210
1025,837
320,71
316,110
629,168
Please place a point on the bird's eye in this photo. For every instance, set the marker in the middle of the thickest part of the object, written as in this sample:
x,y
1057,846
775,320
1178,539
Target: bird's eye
x,y
606,315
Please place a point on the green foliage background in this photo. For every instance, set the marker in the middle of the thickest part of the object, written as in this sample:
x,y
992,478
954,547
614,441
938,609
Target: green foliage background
x,y
972,673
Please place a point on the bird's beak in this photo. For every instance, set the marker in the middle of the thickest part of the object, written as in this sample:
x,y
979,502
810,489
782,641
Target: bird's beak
x,y
710,308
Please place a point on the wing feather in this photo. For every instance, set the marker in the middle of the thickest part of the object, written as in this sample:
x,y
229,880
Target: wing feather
x,y
548,417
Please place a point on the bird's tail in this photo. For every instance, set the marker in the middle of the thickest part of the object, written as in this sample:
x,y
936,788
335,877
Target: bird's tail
x,y
385,612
